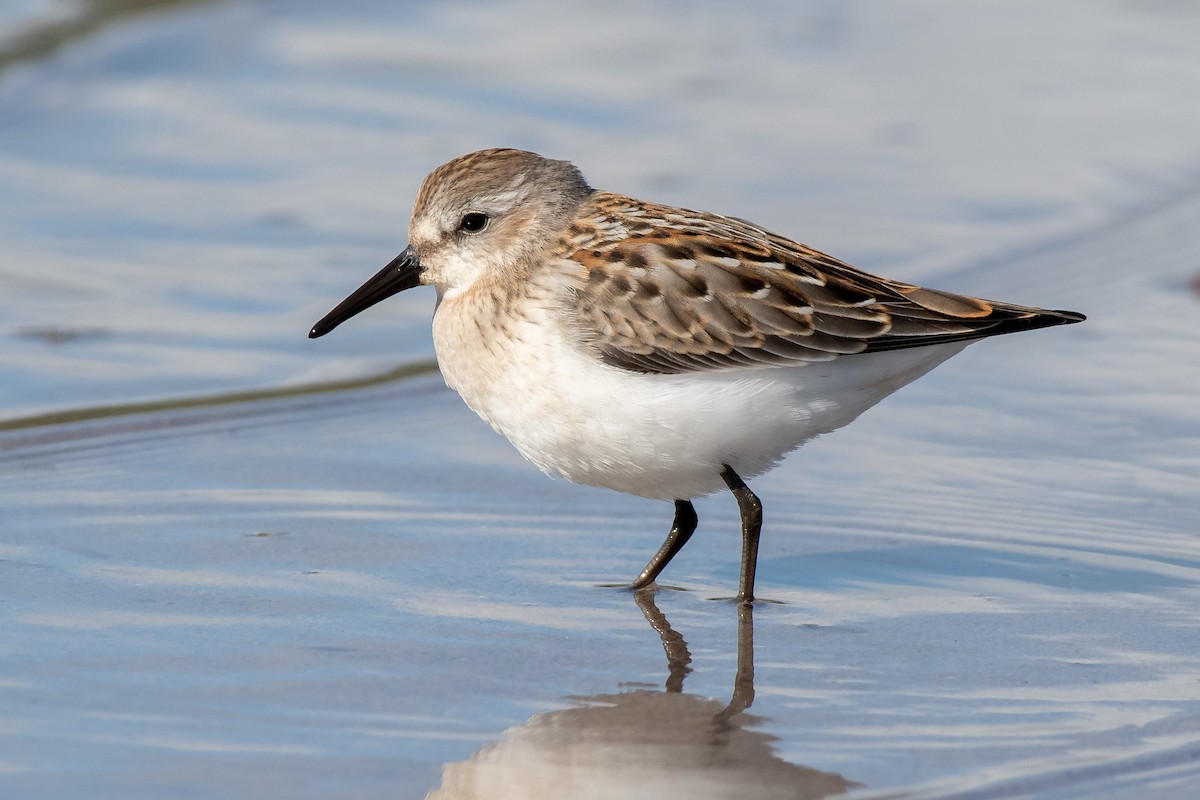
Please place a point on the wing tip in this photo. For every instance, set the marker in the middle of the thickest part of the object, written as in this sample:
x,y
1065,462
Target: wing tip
x,y
1064,317
1031,319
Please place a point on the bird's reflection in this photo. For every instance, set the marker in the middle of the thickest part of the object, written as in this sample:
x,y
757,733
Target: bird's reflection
x,y
644,743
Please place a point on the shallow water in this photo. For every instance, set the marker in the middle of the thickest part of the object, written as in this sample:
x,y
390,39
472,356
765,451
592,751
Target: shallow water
x,y
216,580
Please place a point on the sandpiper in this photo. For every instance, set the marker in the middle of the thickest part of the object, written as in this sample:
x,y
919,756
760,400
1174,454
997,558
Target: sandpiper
x,y
655,350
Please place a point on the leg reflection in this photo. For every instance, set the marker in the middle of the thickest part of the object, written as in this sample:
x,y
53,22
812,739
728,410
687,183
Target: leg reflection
x,y
743,681
679,658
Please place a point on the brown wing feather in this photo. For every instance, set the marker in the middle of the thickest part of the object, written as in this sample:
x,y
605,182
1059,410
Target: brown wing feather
x,y
669,290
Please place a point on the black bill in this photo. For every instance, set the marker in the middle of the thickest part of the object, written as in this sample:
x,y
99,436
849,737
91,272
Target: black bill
x,y
404,272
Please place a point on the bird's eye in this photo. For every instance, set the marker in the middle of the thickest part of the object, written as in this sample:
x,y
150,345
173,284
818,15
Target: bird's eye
x,y
473,222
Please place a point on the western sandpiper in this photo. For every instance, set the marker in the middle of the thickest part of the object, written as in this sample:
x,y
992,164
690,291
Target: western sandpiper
x,y
656,350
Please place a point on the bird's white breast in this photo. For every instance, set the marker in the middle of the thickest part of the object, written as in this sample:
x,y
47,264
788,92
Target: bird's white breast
x,y
653,435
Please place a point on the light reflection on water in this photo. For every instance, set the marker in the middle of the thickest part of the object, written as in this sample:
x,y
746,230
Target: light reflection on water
x,y
987,583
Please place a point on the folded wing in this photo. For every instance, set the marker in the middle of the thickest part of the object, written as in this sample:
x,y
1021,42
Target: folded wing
x,y
687,291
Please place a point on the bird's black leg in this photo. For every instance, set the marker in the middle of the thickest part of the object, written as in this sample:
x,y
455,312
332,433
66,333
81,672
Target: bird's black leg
x,y
751,509
681,530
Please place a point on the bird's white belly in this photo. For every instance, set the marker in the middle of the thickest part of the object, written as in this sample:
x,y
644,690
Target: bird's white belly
x,y
657,436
